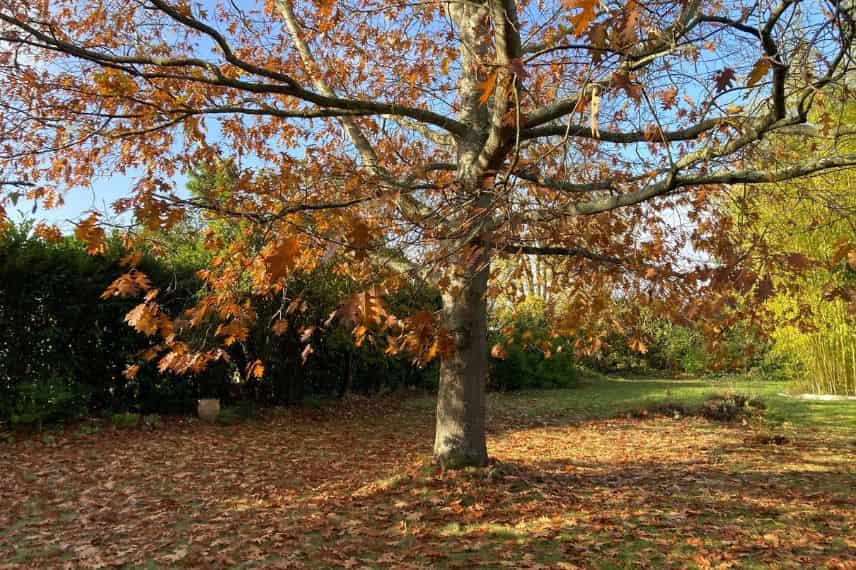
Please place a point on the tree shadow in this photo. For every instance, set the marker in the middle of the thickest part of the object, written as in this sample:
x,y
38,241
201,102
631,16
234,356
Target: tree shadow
x,y
664,512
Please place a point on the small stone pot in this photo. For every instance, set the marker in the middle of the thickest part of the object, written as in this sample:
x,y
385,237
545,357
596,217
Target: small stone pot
x,y
208,409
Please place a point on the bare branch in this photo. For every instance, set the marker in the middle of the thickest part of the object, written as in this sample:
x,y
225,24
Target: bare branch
x,y
559,251
410,205
261,217
689,133
674,182
640,56
442,139
570,187
16,183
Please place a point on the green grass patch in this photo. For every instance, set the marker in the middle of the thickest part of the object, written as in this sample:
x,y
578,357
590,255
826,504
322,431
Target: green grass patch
x,y
616,396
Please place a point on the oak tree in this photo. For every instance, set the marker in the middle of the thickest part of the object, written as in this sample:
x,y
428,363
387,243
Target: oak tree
x,y
404,140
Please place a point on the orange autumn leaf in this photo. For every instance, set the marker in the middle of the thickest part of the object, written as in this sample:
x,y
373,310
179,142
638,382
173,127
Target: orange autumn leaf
x,y
280,326
280,257
91,235
758,72
487,87
359,238
48,232
256,369
128,285
586,15
143,318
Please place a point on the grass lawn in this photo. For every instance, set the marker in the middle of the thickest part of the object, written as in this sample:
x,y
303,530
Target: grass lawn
x,y
610,397
576,483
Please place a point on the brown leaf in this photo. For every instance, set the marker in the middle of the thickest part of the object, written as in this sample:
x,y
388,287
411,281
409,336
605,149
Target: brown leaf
x,y
142,318
764,288
516,67
359,237
797,261
628,33
723,79
759,71
280,326
280,257
91,234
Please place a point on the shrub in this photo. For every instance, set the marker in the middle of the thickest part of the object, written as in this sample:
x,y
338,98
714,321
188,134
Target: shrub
x,y
126,420
530,368
683,349
532,358
717,407
45,400
61,346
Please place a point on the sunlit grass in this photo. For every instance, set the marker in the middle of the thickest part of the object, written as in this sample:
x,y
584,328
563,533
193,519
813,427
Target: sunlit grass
x,y
609,397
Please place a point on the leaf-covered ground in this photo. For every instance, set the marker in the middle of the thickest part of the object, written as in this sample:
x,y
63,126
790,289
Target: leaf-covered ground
x,y
348,486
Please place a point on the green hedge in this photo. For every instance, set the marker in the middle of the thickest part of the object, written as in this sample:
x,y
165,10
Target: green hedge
x,y
63,349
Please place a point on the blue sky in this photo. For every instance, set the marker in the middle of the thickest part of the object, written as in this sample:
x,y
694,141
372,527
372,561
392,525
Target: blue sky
x,y
98,196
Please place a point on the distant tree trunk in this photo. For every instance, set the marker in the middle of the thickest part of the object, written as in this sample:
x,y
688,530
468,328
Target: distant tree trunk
x,y
460,435
348,383
294,386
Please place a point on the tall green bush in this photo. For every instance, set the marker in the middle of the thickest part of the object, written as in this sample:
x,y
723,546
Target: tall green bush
x,y
528,355
63,349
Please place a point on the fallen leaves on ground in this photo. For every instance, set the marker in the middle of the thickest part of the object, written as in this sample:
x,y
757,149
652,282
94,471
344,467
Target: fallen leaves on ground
x,y
351,488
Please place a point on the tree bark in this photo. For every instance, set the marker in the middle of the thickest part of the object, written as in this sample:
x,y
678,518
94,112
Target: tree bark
x,y
460,439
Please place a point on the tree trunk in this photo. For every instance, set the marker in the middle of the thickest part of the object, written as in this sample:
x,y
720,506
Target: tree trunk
x,y
460,439
460,434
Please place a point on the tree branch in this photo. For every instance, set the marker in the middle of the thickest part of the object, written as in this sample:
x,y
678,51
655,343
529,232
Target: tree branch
x,y
16,183
217,78
570,187
689,133
642,55
410,205
675,181
560,251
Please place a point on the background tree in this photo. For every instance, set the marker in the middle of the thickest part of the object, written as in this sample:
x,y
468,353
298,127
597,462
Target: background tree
x,y
801,236
419,139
